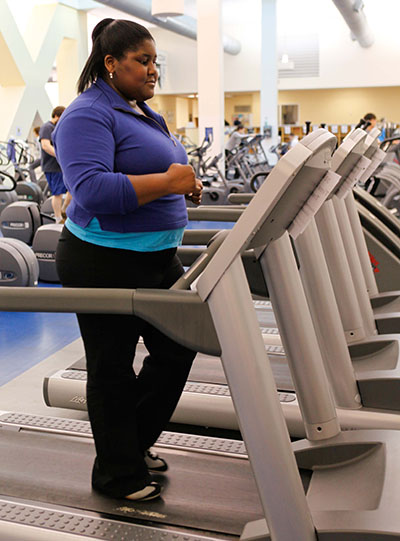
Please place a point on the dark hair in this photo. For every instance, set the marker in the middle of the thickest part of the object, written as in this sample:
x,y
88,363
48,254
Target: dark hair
x,y
369,116
114,37
239,126
57,111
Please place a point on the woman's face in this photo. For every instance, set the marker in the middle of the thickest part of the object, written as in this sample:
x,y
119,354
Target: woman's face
x,y
135,74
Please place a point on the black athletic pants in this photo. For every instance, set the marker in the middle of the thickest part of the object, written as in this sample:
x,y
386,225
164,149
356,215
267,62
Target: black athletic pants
x,y
127,411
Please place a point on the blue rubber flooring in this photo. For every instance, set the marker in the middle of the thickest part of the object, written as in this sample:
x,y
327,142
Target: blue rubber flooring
x,y
210,225
26,338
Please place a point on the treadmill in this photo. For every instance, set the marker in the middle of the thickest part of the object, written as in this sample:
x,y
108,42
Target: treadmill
x,y
380,310
334,485
382,233
368,380
375,206
343,241
206,400
365,378
382,238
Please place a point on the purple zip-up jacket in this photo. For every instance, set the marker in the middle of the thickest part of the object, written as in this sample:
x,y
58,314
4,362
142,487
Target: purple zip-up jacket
x,y
98,141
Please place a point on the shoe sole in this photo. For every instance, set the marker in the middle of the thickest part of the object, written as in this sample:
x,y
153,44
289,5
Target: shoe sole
x,y
146,499
151,496
161,469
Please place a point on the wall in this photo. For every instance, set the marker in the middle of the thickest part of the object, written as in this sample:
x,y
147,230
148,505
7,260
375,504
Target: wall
x,y
31,40
343,63
332,106
344,105
182,56
182,112
181,71
242,71
251,99
166,106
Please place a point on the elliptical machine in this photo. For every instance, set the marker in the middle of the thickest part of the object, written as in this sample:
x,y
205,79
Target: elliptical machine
x,y
216,187
8,193
19,157
25,222
18,263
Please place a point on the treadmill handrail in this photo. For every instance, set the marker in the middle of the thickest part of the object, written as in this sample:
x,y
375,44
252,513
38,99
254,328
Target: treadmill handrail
x,y
219,214
71,299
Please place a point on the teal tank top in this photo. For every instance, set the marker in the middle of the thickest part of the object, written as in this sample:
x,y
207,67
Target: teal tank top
x,y
148,241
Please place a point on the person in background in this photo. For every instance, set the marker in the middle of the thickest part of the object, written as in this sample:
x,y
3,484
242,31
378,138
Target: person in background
x,y
236,138
36,162
371,118
36,142
66,201
232,145
227,128
128,178
293,140
49,163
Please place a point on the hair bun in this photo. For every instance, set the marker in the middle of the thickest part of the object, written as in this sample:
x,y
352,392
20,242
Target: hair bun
x,y
98,29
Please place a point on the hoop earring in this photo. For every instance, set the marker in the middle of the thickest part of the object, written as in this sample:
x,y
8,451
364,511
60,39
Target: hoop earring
x,y
111,75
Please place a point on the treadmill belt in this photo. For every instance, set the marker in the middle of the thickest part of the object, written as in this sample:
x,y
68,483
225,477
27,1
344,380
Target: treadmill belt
x,y
266,318
207,492
282,375
208,369
80,364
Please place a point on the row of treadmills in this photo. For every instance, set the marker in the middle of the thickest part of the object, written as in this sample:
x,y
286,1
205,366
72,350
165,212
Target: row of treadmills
x,y
206,400
330,346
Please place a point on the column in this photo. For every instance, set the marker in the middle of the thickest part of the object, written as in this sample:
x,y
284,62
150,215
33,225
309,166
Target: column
x,y
269,71
210,72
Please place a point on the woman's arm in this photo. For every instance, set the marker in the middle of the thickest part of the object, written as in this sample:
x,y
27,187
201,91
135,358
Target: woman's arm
x,y
85,149
179,179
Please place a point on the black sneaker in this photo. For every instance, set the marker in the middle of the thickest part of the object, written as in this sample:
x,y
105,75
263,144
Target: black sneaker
x,y
155,463
149,492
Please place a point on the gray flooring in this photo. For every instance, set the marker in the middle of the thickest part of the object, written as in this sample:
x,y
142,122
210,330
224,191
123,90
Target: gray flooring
x,y
24,393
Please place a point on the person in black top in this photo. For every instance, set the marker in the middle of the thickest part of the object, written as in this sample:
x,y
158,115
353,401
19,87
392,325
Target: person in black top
x,y
49,163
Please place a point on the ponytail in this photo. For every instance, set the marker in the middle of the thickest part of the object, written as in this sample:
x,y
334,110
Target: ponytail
x,y
94,64
113,37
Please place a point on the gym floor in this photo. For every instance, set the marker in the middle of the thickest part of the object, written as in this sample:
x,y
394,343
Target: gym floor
x,y
33,345
28,338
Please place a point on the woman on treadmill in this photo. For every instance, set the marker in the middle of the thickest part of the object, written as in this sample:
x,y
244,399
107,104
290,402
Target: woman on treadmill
x,y
128,178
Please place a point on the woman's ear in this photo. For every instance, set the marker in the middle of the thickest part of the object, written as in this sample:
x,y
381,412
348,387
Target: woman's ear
x,y
109,63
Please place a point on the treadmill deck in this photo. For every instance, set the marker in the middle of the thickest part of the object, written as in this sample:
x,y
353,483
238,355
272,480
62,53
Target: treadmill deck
x,y
208,492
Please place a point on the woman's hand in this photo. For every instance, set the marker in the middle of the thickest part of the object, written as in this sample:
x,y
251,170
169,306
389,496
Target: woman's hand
x,y
195,196
181,179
